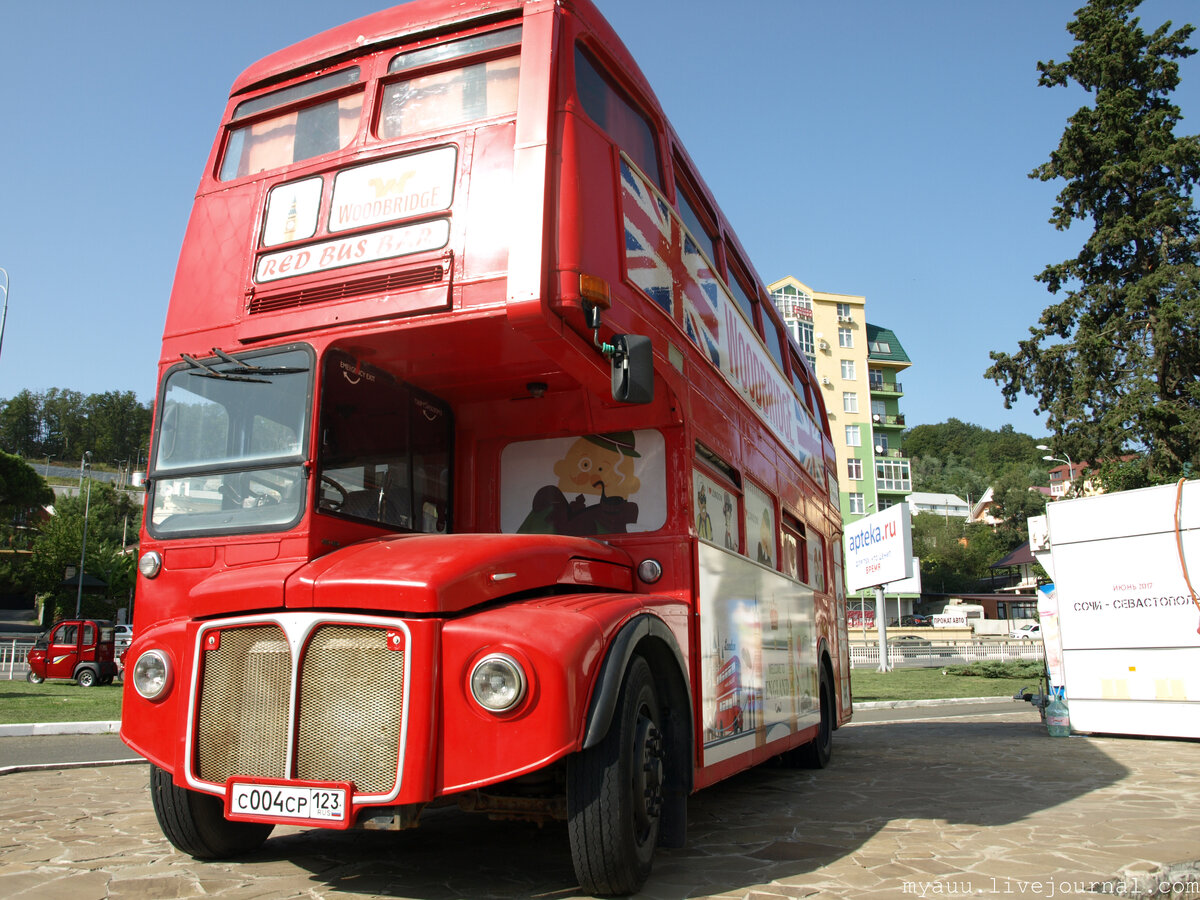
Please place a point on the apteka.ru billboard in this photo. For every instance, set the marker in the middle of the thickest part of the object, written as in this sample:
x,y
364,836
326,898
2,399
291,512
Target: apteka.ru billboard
x,y
879,548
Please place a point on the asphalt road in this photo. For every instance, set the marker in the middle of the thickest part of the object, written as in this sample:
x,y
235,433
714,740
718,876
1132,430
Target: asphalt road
x,y
49,750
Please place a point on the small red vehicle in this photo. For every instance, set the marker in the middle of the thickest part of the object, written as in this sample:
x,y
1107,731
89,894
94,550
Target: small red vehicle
x,y
82,650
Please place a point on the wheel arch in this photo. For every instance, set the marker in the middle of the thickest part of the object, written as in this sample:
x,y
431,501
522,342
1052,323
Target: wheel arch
x,y
648,636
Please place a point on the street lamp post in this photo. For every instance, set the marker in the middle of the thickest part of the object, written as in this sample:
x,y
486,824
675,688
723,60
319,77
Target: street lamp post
x,y
4,315
84,463
1070,465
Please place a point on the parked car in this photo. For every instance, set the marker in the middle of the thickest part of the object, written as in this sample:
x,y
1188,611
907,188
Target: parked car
x,y
1028,631
909,640
80,649
913,646
123,635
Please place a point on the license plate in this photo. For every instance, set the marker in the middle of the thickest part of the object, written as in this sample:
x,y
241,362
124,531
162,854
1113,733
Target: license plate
x,y
319,803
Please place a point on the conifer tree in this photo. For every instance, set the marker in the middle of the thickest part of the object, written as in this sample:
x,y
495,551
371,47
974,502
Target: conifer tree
x,y
1115,361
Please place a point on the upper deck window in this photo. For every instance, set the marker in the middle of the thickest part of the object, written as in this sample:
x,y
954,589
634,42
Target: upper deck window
x,y
293,135
621,120
696,226
445,98
774,345
742,296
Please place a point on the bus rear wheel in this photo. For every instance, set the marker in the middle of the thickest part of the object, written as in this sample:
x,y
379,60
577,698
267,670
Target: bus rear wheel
x,y
195,823
615,792
817,753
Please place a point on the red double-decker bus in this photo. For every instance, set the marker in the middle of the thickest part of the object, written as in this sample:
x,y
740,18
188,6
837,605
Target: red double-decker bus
x,y
478,454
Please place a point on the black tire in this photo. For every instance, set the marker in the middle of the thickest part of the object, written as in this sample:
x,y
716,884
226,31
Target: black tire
x,y
817,753
615,792
33,678
195,823
86,677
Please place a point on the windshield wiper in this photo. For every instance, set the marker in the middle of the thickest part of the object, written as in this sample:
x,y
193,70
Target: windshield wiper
x,y
210,372
245,368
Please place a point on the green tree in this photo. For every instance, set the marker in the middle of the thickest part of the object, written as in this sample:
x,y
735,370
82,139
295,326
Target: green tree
x,y
64,418
64,424
112,518
21,424
951,475
1015,502
116,425
967,455
1115,359
22,495
955,557
20,486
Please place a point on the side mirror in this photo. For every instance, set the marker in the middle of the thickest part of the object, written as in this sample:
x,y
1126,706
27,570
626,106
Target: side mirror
x,y
632,368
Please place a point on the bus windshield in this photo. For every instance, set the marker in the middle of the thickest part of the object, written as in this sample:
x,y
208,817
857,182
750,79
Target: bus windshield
x,y
231,442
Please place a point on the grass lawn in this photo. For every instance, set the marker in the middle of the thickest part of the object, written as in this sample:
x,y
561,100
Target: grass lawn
x,y
58,701
931,684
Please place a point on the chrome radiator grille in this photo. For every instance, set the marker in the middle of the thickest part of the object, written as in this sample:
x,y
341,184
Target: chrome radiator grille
x,y
351,687
244,701
349,701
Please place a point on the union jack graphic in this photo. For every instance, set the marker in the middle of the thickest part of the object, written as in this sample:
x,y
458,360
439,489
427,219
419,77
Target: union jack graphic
x,y
662,259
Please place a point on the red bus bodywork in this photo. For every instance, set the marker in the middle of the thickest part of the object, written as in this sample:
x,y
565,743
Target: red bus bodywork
x,y
388,438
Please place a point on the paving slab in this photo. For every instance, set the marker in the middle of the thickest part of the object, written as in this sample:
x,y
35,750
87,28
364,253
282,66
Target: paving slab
x,y
985,806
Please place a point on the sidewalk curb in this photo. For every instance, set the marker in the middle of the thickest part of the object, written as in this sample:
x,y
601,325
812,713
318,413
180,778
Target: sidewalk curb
x,y
48,767
26,729
908,704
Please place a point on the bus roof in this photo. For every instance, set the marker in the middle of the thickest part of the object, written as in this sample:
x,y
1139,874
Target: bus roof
x,y
377,29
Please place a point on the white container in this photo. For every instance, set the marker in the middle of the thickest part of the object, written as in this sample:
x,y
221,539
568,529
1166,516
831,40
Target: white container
x,y
1127,619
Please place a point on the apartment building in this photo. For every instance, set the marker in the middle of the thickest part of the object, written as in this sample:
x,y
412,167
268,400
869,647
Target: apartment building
x,y
857,365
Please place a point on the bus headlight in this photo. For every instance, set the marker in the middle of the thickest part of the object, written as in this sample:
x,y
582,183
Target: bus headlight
x,y
150,564
498,682
649,570
152,674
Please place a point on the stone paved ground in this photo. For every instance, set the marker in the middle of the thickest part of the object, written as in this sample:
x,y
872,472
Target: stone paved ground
x,y
981,807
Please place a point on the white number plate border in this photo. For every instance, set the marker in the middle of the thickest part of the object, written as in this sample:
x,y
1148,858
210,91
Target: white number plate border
x,y
327,803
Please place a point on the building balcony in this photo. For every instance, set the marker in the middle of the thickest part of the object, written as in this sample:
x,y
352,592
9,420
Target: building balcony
x,y
888,421
891,388
892,472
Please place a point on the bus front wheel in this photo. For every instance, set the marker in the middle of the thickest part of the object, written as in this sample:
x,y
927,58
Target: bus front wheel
x,y
195,823
615,792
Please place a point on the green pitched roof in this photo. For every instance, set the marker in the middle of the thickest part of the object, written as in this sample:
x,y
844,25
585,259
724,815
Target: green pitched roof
x,y
878,338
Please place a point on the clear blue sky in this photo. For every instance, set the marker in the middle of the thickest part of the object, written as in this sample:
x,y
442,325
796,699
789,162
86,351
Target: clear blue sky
x,y
867,147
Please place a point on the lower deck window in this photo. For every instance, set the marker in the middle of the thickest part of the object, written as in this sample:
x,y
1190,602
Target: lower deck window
x,y
610,483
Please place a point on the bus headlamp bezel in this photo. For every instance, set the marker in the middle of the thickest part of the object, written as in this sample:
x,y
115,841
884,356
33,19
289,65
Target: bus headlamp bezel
x,y
152,675
514,683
